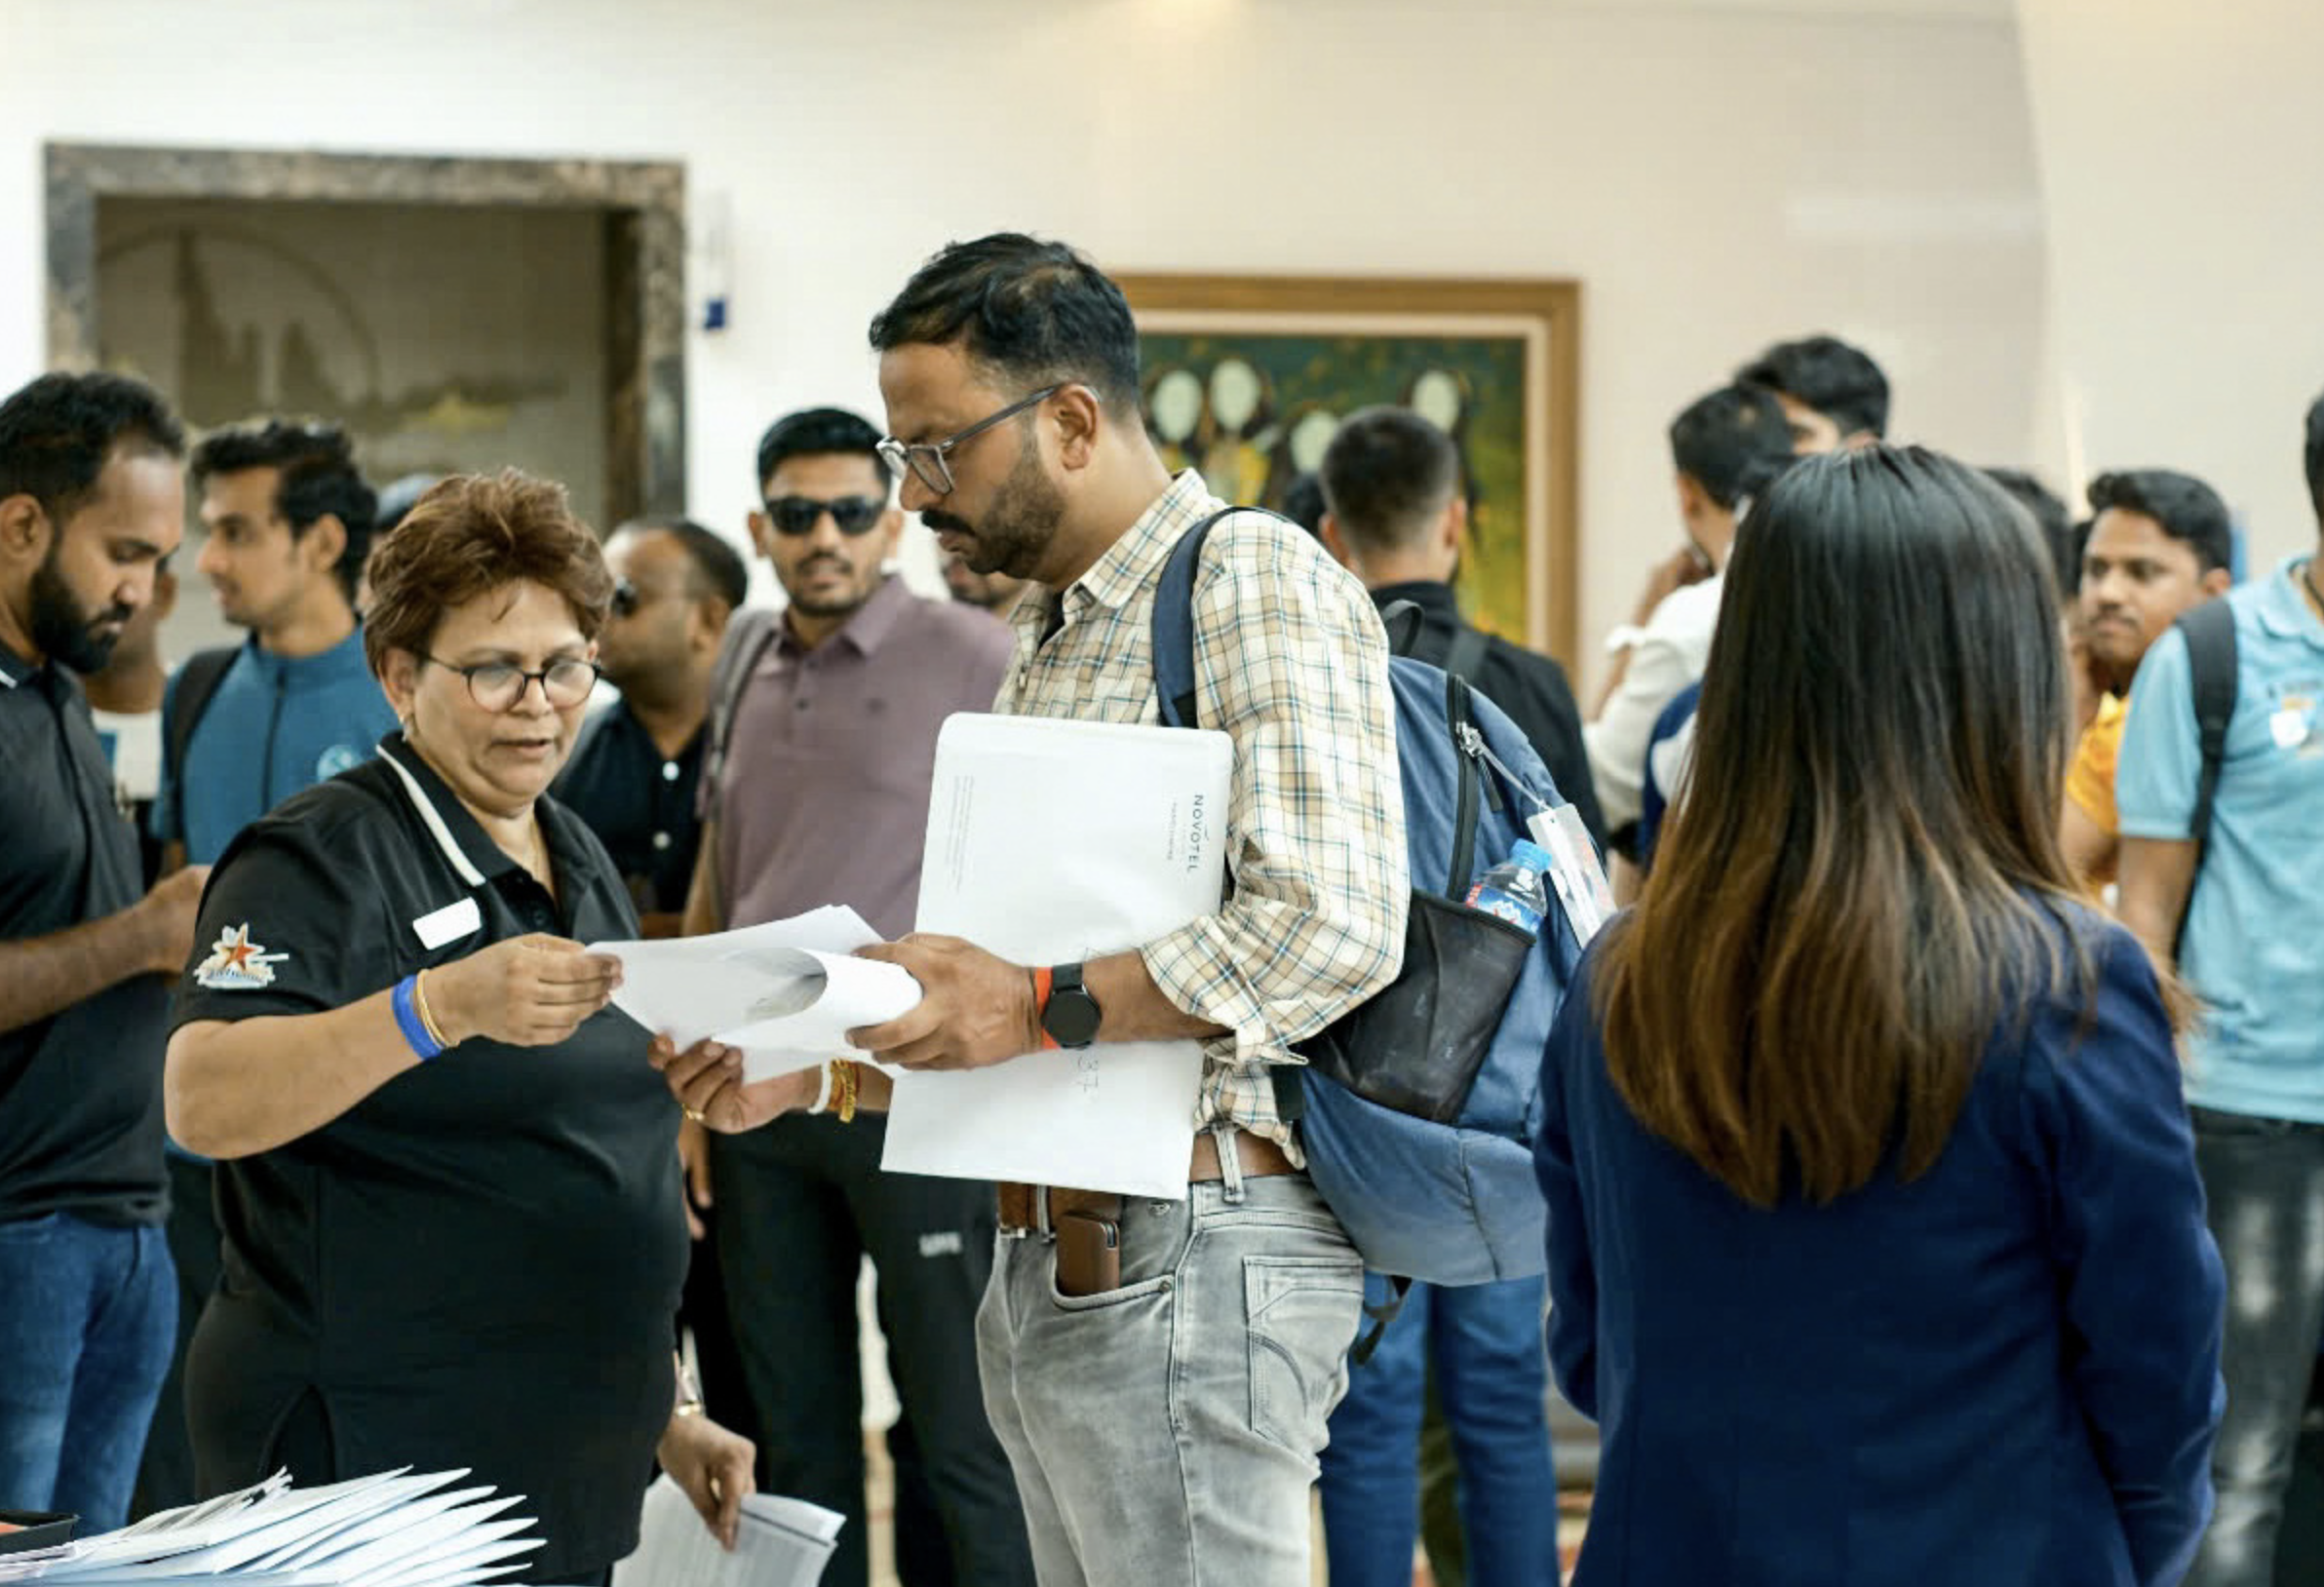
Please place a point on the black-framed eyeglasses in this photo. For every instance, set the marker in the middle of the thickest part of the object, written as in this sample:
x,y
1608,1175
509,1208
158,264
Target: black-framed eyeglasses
x,y
853,515
927,459
497,685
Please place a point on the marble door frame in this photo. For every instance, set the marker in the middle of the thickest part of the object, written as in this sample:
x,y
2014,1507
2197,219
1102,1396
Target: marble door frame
x,y
644,203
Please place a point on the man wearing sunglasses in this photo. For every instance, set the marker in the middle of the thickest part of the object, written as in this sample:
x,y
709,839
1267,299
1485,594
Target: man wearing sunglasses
x,y
823,747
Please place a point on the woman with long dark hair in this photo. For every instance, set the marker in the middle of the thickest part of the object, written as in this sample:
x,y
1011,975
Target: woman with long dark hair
x,y
1875,1244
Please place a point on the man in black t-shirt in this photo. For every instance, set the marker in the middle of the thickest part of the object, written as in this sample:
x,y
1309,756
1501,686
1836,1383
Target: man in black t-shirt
x,y
91,502
1395,516
634,771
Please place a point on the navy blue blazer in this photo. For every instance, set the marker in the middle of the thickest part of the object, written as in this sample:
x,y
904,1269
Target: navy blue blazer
x,y
2006,1371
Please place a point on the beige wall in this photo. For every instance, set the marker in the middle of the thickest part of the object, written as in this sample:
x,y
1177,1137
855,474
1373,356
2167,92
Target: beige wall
x,y
1716,174
2179,149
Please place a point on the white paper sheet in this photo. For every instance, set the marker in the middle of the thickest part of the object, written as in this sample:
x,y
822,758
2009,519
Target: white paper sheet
x,y
382,1531
785,993
1051,842
781,1542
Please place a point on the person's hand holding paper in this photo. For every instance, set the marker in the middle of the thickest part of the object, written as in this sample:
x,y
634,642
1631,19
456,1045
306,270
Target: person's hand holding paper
x,y
707,1079
975,1009
784,993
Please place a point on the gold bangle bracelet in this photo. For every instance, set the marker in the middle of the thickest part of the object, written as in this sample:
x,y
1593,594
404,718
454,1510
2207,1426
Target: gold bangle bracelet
x,y
419,1005
848,1074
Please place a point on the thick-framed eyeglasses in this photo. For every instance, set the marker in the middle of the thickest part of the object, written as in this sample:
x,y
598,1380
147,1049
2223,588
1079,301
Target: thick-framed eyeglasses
x,y
497,685
853,515
928,460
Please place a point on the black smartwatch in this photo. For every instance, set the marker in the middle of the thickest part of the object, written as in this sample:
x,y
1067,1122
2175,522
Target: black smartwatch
x,y
1069,1014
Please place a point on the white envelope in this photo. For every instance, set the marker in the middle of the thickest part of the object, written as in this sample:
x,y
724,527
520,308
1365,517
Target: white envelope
x,y
1051,842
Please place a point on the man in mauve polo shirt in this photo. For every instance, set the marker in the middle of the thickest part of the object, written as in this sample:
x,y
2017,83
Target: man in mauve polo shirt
x,y
91,503
818,793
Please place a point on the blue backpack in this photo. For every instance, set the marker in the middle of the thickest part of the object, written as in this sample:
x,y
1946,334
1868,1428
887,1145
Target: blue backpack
x,y
1416,1107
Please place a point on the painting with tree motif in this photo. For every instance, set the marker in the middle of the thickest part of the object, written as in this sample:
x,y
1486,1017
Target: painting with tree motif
x,y
1248,378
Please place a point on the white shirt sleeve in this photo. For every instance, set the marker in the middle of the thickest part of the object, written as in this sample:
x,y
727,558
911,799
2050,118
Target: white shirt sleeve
x,y
1666,657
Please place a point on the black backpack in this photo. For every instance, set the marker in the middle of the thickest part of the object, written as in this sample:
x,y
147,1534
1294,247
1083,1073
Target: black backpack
x,y
2209,630
198,682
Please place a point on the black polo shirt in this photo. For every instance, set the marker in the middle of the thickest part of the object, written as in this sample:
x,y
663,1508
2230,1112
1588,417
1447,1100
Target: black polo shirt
x,y
1530,689
80,1092
639,802
478,1265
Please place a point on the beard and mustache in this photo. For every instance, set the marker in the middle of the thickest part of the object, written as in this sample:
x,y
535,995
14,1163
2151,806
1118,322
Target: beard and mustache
x,y
1018,527
65,631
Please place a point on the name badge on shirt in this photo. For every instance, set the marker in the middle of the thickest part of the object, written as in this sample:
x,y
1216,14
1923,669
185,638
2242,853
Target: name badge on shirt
x,y
1573,869
448,924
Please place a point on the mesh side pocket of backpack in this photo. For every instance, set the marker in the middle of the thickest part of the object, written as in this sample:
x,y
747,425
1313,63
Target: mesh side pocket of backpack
x,y
1415,1046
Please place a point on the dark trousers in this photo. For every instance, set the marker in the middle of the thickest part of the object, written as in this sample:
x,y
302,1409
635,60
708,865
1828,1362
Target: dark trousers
x,y
2264,1186
166,1476
702,1313
800,1203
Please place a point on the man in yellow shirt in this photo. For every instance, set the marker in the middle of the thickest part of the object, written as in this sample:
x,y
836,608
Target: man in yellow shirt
x,y
2160,544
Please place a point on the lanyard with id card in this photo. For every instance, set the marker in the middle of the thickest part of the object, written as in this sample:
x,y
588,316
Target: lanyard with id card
x,y
1573,869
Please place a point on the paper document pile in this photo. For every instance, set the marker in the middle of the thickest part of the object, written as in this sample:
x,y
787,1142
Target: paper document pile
x,y
1051,842
780,1543
389,1531
785,993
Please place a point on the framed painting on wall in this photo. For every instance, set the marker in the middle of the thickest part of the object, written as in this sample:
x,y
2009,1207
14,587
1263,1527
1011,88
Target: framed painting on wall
x,y
1247,378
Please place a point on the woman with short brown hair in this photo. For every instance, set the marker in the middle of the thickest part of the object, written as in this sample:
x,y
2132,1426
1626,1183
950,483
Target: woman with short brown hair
x,y
1875,1240
450,1185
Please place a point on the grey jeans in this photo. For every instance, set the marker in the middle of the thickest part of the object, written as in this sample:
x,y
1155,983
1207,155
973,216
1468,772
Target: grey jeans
x,y
2264,1194
1165,1433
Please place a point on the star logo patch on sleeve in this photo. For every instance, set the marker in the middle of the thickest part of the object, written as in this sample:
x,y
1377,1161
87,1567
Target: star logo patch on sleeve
x,y
236,963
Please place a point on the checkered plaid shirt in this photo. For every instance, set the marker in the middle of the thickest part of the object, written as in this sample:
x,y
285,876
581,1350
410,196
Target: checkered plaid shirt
x,y
1291,661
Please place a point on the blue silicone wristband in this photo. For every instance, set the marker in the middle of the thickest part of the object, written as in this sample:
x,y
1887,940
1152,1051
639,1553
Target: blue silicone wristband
x,y
415,1029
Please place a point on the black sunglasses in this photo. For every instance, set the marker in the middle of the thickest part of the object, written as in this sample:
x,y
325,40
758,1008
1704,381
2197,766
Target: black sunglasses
x,y
799,515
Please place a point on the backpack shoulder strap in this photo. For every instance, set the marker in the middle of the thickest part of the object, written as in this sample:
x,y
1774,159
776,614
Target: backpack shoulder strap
x,y
747,634
1174,688
1467,653
197,683
2209,630
1173,624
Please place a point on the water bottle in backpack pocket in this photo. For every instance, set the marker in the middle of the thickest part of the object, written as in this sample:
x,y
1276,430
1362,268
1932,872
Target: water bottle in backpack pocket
x,y
1515,890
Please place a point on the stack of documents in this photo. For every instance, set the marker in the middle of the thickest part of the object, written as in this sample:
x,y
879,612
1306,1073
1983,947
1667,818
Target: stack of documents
x,y
1052,843
780,1543
786,994
389,1531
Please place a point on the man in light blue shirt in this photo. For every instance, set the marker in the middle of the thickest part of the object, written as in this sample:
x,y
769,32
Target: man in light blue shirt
x,y
2253,952
288,521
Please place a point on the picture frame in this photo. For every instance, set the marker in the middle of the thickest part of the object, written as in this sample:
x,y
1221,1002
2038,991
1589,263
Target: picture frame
x,y
1246,378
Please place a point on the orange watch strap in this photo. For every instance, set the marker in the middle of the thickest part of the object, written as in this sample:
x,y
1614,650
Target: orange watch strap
x,y
1041,985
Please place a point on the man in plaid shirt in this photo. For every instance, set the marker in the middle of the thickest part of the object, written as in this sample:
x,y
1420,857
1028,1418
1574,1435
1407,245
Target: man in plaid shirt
x,y
1164,1422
